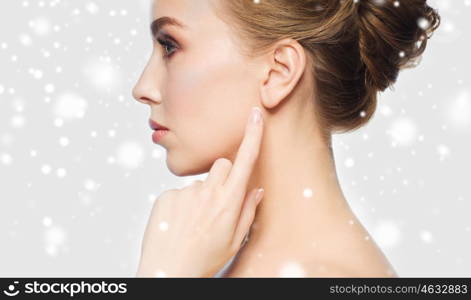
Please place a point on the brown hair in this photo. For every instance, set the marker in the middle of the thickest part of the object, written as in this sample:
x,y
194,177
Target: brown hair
x,y
357,46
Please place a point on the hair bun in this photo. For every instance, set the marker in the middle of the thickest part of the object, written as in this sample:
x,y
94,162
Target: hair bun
x,y
356,47
392,35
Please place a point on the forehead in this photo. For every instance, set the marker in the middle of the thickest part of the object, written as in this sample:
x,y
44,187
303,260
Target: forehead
x,y
187,11
201,19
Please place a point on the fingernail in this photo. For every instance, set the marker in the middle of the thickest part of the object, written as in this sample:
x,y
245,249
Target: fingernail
x,y
259,195
256,115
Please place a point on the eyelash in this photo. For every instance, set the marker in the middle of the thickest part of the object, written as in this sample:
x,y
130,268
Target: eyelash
x,y
165,42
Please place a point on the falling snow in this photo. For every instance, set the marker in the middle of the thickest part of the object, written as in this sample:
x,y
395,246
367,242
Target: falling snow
x,y
426,236
459,111
76,157
387,234
307,193
403,131
292,269
163,226
40,26
102,74
70,106
130,155
54,239
160,273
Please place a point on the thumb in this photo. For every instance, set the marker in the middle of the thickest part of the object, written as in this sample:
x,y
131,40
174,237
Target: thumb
x,y
247,215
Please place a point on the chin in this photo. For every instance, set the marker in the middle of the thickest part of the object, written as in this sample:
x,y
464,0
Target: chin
x,y
183,167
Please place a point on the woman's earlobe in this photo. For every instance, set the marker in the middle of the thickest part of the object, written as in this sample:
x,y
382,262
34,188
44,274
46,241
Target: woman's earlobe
x,y
268,97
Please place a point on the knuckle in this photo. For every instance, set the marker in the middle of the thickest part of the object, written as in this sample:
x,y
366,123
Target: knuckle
x,y
224,212
217,192
206,193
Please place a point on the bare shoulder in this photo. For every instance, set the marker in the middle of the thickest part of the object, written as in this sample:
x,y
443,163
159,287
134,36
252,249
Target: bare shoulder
x,y
309,268
356,261
317,270
351,253
335,269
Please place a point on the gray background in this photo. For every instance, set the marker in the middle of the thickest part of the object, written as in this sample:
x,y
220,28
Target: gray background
x,y
79,173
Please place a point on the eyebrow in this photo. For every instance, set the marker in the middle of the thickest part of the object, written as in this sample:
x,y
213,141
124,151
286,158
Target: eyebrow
x,y
159,23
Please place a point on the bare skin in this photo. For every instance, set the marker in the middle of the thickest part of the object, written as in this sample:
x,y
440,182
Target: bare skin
x,y
318,234
321,233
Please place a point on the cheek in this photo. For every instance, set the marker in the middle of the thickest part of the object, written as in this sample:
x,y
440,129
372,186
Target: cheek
x,y
207,102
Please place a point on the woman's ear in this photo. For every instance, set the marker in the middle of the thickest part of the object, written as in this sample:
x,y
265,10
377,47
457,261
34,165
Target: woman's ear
x,y
285,65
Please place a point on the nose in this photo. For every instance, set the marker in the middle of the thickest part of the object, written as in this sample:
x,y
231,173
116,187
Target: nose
x,y
146,90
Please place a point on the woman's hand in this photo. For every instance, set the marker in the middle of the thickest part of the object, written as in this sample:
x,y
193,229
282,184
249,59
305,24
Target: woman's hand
x,y
194,231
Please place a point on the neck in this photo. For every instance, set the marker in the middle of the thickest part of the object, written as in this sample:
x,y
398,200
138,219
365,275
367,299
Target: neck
x,y
303,198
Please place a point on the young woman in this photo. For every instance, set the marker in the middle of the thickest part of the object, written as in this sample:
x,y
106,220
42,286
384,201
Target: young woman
x,y
313,68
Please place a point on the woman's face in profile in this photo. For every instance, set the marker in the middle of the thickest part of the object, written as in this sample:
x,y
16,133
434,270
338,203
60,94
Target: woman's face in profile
x,y
197,84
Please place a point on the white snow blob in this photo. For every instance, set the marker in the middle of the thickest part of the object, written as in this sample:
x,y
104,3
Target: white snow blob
x,y
130,155
70,106
292,269
387,234
403,132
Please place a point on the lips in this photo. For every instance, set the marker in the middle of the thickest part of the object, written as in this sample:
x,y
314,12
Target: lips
x,y
156,126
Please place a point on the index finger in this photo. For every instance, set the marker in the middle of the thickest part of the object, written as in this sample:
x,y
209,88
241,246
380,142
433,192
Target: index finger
x,y
247,155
